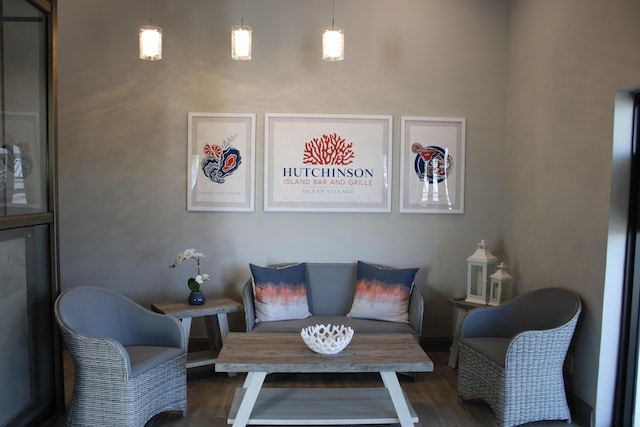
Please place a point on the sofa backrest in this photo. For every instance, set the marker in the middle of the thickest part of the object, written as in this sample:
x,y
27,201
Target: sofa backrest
x,y
330,288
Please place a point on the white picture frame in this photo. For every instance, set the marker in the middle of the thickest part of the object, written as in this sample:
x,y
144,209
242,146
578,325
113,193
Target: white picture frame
x,y
221,162
21,163
330,163
432,165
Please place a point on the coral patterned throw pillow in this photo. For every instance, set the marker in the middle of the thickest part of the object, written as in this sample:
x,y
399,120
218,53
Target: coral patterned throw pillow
x,y
382,293
280,293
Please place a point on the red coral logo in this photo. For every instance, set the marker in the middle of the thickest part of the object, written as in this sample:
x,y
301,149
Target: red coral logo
x,y
329,150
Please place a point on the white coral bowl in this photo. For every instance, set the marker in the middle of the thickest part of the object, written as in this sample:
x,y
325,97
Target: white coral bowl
x,y
327,339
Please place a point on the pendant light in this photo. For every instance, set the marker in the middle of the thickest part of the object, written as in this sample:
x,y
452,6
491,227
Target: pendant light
x,y
241,40
333,40
150,39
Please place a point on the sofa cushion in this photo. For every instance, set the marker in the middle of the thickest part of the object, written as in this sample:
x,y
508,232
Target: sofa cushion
x,y
358,325
382,293
280,293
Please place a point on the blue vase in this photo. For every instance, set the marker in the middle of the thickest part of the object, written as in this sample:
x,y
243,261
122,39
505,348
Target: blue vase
x,y
196,298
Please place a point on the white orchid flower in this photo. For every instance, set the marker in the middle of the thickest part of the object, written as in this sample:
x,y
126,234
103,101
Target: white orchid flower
x,y
201,278
192,254
188,253
177,261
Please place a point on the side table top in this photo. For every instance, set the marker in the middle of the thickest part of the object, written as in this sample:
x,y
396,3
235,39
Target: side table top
x,y
211,306
461,302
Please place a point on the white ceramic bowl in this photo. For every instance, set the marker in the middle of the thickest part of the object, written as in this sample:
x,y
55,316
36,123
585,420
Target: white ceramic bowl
x,y
327,339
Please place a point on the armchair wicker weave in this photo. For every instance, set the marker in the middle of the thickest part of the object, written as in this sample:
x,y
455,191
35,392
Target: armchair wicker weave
x,y
129,361
512,355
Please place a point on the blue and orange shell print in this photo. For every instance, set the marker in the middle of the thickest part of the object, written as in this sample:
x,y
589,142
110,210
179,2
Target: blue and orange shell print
x,y
432,163
220,161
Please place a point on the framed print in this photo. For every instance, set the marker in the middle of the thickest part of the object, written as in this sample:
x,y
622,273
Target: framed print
x,y
22,161
337,163
221,162
432,165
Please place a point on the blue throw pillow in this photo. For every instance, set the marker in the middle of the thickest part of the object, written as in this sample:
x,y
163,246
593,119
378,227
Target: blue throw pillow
x,y
382,293
280,293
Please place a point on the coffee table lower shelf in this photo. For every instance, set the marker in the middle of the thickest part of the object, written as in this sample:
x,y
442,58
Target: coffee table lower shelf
x,y
316,406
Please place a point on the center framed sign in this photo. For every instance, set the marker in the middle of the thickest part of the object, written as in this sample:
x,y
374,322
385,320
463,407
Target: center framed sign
x,y
338,163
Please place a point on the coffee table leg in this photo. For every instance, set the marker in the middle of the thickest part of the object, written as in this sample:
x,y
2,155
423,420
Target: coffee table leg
x,y
397,397
252,384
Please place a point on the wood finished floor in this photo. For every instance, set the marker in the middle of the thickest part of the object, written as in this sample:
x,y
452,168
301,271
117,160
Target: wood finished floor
x,y
433,396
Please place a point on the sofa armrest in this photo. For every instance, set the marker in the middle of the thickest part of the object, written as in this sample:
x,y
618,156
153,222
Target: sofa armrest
x,y
249,309
416,310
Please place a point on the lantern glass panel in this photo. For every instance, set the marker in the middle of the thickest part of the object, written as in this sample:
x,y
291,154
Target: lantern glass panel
x,y
495,290
477,280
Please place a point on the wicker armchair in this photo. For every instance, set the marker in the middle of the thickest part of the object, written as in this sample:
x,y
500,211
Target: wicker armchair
x,y
512,356
129,361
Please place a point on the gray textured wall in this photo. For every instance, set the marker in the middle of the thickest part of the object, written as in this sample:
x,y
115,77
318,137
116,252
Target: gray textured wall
x,y
123,136
534,79
566,61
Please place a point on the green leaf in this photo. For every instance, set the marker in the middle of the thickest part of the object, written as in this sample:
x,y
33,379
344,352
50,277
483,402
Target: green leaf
x,y
193,285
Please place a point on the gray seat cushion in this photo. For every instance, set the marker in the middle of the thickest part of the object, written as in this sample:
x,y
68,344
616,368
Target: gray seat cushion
x,y
493,348
145,357
358,325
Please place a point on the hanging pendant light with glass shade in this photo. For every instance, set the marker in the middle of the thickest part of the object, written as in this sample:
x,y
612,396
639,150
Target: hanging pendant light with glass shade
x,y
150,43
241,40
333,41
150,39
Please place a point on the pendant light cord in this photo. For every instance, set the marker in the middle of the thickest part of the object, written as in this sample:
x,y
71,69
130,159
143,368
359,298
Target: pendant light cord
x,y
333,15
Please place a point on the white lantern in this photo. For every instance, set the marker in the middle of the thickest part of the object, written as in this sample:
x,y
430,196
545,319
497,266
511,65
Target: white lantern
x,y
500,286
478,266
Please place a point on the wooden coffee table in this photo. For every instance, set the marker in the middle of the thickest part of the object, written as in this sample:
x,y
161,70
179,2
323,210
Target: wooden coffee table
x,y
260,354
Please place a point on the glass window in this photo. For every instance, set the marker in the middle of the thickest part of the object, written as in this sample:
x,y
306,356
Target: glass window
x,y
23,119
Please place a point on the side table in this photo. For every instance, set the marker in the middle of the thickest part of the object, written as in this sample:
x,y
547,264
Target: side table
x,y
461,308
218,307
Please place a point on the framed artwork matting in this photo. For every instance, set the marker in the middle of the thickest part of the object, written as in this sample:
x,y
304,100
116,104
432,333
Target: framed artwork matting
x,y
432,165
221,162
334,163
22,183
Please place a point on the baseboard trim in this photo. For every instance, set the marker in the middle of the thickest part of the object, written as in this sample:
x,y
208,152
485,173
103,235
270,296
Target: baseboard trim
x,y
580,410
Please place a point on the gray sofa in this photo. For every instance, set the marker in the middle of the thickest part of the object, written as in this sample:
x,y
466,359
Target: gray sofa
x,y
330,291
